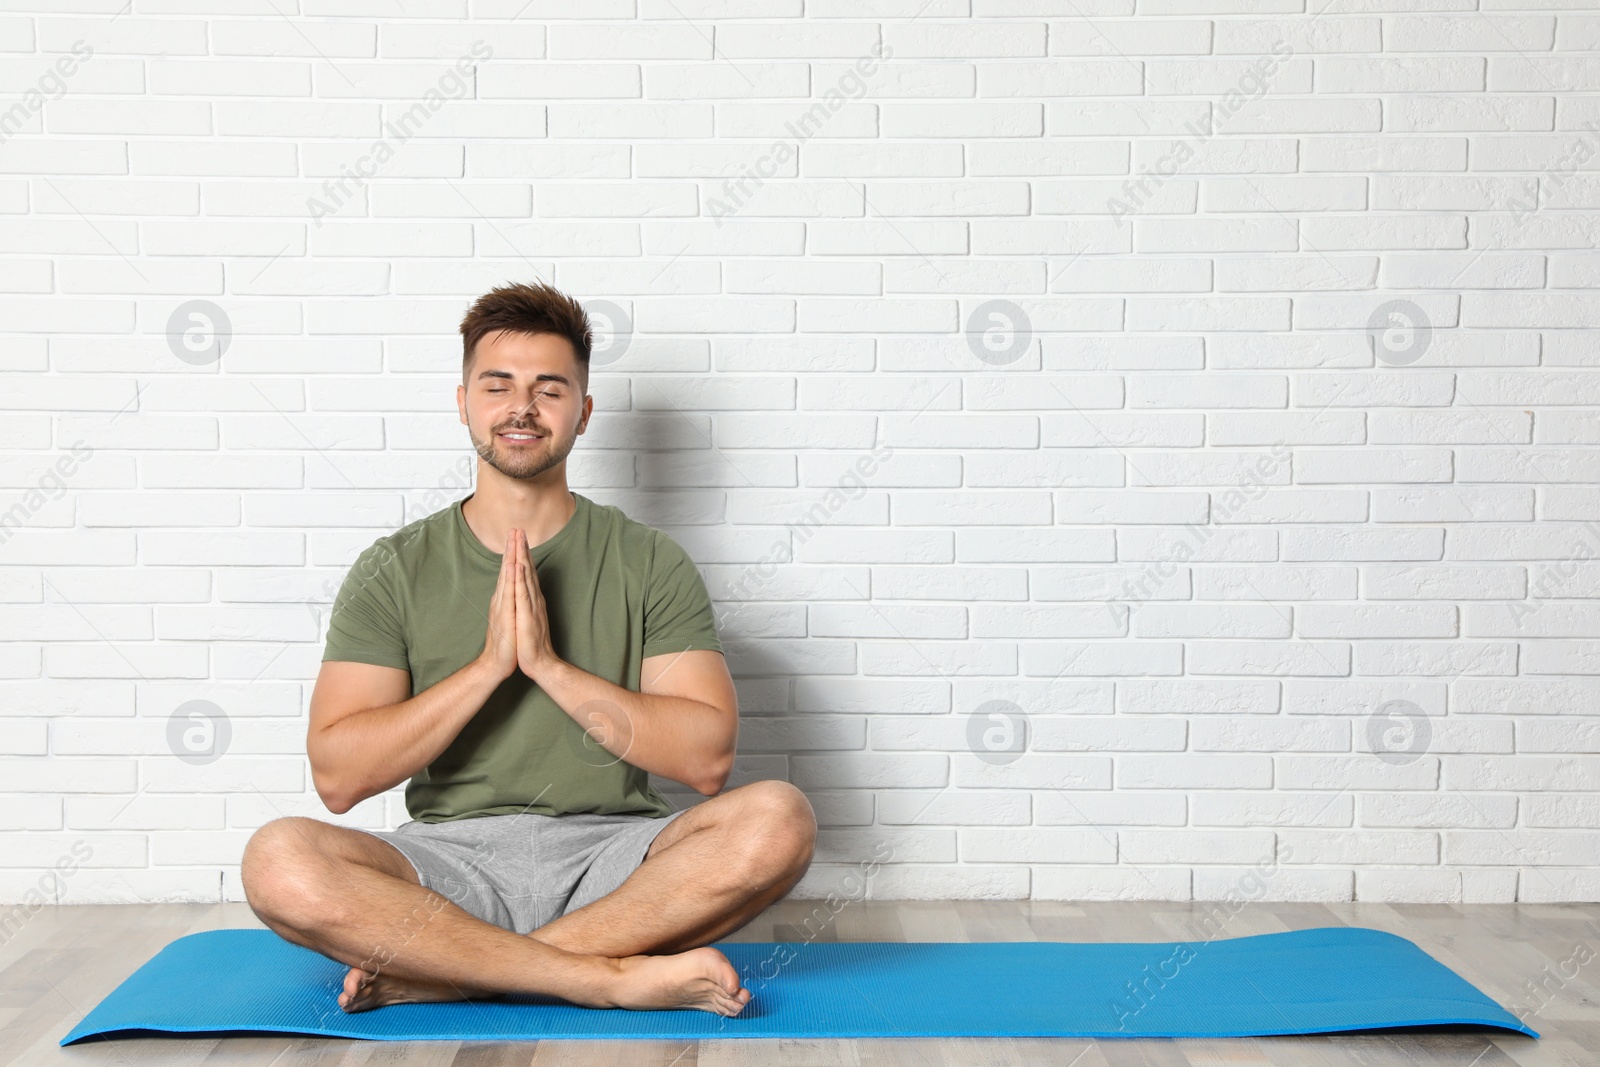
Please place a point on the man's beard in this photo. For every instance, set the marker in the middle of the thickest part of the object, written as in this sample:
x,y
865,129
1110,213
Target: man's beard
x,y
521,463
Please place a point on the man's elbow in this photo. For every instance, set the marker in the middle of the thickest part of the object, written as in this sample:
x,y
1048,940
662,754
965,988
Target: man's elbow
x,y
716,778
333,798
333,801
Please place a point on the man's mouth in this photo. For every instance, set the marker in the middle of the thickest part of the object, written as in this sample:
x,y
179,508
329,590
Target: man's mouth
x,y
520,436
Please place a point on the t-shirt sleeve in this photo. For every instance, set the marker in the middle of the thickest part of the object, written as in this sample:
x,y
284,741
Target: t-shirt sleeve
x,y
677,613
365,625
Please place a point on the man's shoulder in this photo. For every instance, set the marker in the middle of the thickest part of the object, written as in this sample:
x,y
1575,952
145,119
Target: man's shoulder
x,y
411,540
615,522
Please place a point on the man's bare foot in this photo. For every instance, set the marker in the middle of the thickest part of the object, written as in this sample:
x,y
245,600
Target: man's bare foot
x,y
362,991
699,978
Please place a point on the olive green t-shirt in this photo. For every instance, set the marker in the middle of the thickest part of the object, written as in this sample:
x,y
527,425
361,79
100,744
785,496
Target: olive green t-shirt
x,y
616,592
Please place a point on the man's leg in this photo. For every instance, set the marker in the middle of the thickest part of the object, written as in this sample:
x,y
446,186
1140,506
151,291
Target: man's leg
x,y
708,873
355,898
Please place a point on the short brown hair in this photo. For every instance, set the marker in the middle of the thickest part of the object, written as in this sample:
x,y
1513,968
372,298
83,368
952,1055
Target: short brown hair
x,y
528,308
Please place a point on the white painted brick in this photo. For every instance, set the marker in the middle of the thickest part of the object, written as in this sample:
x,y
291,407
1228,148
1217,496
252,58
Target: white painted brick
x,y
952,807
1035,844
1132,508
1045,468
1522,773
1289,505
1122,430
899,845
911,882
1453,735
1034,770
1372,847
1275,583
1195,846
1078,659
1348,467
1197,697
1211,620
1389,620
108,776
1560,657
1565,427
1550,620
1138,584
1531,465
942,582
1314,544
1568,578
1050,696
1262,734
1205,391
1029,621
1272,809
1436,582
1291,428
1278,351
1112,883
1556,848
1546,885
1453,504
959,119
1211,468
1164,545
1023,545
1478,426
831,808
1379,389
1382,885
1109,809
1565,502
1485,696
1417,810
1282,883
1572,810
1080,733
1193,771
1434,658
1299,659
1353,772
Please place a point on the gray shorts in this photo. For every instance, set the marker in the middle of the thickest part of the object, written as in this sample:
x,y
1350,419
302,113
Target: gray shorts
x,y
519,872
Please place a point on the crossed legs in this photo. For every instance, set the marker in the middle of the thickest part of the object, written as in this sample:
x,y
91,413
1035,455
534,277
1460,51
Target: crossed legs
x,y
356,899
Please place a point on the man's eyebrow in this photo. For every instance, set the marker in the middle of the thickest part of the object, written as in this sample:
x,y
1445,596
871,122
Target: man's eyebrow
x,y
538,377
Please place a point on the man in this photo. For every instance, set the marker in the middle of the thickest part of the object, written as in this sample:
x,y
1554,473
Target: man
x,y
524,657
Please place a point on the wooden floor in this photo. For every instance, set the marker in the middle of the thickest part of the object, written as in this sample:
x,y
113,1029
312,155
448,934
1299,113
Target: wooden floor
x,y
63,960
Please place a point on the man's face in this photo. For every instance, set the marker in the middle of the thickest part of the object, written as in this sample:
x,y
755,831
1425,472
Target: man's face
x,y
520,384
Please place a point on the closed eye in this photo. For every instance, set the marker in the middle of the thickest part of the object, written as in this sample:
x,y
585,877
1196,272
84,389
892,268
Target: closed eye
x,y
548,393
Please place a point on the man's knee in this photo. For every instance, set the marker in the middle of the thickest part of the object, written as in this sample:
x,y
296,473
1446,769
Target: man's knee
x,y
285,872
781,826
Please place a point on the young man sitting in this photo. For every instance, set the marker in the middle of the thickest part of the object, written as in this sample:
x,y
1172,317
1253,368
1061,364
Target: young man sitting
x,y
525,657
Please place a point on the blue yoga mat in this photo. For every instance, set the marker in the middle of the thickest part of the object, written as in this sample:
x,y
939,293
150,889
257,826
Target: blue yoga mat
x,y
1299,982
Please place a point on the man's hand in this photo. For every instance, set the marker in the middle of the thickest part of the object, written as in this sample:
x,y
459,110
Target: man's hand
x,y
499,653
535,654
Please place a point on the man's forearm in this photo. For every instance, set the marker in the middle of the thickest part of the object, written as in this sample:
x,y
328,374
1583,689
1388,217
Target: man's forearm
x,y
686,740
371,751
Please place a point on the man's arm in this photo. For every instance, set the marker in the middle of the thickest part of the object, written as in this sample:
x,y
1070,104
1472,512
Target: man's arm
x,y
365,737
683,725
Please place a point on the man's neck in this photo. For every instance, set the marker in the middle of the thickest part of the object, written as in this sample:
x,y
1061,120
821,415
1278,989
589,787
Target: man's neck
x,y
540,514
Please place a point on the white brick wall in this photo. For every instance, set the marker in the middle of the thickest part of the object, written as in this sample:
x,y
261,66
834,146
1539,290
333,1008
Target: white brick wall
x,y
1082,523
